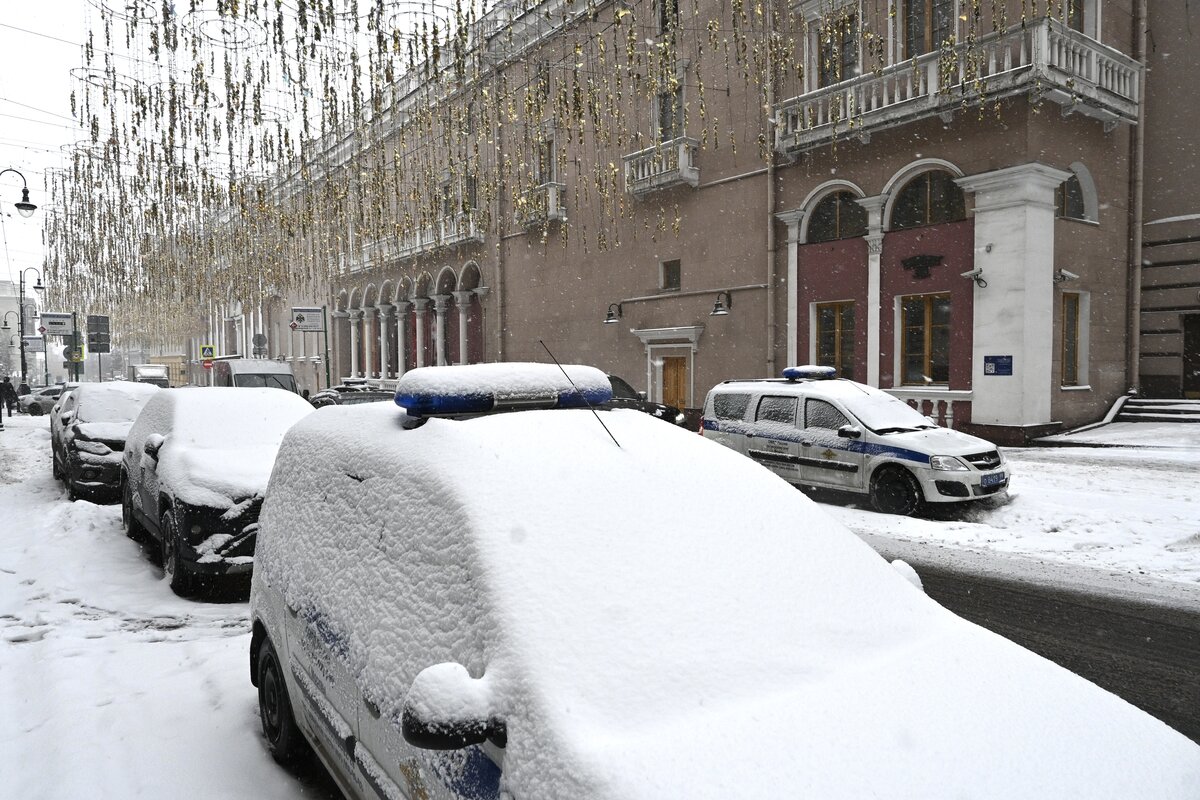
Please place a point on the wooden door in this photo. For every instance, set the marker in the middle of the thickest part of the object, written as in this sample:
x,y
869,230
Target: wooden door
x,y
675,381
1191,355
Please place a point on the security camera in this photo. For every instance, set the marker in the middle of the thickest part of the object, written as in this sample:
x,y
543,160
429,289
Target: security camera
x,y
975,273
1066,275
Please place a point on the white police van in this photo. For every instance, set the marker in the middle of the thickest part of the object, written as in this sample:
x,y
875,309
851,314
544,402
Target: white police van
x,y
453,603
814,429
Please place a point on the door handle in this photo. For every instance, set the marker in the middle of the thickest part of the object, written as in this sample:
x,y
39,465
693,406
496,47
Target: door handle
x,y
806,443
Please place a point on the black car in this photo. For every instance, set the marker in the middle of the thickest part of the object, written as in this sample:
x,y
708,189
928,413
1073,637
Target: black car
x,y
88,427
346,395
624,396
193,472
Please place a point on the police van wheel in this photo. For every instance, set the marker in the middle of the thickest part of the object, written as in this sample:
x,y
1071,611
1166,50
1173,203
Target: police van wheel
x,y
894,490
284,739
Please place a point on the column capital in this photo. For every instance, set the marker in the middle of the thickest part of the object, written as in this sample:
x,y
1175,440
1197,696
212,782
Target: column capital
x,y
462,298
1024,184
356,315
369,311
420,303
386,310
402,307
440,302
482,291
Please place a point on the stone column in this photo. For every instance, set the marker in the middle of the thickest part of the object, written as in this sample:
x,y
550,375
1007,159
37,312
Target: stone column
x,y
419,306
385,325
440,302
1014,313
402,338
356,316
874,237
792,220
370,328
463,301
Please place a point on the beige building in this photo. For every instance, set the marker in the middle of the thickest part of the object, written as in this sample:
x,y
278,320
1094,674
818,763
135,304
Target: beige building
x,y
977,208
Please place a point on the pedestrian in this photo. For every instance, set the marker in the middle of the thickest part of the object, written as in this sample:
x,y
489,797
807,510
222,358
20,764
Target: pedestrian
x,y
8,395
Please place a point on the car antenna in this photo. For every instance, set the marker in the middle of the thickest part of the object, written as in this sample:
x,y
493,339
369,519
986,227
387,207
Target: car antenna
x,y
581,394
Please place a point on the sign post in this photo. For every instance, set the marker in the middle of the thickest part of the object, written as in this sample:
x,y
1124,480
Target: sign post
x,y
98,339
312,319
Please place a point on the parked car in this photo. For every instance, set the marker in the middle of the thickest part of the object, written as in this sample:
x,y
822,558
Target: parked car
x,y
253,372
625,396
40,401
350,395
813,429
88,427
193,471
449,601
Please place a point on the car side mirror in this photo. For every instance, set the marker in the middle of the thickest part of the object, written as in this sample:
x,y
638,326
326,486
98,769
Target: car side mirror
x,y
642,395
849,432
447,709
66,417
154,443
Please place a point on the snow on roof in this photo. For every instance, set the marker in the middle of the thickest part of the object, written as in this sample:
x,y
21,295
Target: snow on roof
x,y
504,379
220,442
668,614
115,401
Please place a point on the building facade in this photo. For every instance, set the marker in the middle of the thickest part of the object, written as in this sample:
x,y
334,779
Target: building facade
x,y
942,198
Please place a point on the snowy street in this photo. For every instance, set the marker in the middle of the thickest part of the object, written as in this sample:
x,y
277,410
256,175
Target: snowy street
x,y
114,687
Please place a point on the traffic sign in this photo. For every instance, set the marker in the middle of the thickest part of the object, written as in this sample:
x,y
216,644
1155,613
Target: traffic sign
x,y
307,319
207,352
42,329
55,323
206,364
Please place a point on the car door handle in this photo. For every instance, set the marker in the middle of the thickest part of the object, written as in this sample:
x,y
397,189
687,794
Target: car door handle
x,y
806,443
372,709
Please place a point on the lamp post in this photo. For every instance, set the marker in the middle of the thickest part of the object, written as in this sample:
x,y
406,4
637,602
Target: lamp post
x,y
21,316
24,208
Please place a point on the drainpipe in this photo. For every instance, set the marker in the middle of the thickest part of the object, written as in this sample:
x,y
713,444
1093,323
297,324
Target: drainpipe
x,y
772,124
1137,180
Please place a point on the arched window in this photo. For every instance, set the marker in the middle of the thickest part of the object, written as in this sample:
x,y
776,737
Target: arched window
x,y
837,216
928,199
1068,199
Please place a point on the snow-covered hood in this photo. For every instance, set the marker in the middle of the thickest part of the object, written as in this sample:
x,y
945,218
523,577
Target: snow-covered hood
x,y
937,442
115,432
215,477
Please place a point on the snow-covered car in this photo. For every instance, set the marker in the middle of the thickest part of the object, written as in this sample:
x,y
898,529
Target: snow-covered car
x,y
88,427
814,429
40,401
349,396
193,472
448,603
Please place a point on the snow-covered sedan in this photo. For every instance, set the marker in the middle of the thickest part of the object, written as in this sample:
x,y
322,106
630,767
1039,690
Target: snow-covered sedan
x,y
88,427
193,472
451,602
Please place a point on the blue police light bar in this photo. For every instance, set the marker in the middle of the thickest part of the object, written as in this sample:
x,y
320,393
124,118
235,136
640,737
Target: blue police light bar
x,y
483,388
809,372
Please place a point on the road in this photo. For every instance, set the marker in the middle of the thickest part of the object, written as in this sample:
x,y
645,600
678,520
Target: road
x,y
1137,637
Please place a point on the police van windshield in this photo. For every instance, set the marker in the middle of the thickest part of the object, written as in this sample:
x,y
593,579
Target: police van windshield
x,y
273,380
883,413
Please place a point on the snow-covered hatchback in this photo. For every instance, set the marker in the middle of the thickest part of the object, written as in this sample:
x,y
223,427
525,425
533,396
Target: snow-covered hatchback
x,y
813,429
517,605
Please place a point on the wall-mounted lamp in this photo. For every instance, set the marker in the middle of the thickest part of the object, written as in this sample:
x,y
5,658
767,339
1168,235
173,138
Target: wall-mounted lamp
x,y
721,309
977,276
1061,275
614,313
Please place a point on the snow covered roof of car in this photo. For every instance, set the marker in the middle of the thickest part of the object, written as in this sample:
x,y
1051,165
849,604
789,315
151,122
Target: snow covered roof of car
x,y
666,616
114,401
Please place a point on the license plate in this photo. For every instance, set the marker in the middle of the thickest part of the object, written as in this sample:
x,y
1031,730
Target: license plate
x,y
992,479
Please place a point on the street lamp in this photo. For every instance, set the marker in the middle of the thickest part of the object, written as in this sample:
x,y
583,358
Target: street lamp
x,y
21,313
24,208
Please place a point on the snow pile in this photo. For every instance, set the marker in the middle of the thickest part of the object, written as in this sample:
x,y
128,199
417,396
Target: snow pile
x,y
666,616
504,380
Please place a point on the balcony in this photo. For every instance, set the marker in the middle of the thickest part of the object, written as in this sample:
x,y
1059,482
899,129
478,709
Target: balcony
x,y
456,230
671,163
542,205
1045,60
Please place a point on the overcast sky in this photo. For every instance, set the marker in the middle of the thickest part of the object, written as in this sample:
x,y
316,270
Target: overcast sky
x,y
39,45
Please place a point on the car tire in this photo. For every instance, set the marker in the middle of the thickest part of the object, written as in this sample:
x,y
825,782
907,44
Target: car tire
x,y
133,528
55,468
284,739
894,490
172,563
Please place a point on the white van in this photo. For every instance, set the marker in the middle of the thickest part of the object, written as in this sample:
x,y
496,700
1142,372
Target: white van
x,y
813,429
253,372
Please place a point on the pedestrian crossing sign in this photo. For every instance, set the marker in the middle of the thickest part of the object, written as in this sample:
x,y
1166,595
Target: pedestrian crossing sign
x,y
207,352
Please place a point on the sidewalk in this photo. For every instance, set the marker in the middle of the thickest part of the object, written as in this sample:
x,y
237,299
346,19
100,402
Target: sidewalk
x,y
1156,435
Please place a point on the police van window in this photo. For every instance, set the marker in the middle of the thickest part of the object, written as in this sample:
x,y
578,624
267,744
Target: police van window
x,y
822,415
731,406
777,409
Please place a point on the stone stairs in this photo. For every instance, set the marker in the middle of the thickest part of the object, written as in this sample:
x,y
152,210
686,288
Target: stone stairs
x,y
1140,409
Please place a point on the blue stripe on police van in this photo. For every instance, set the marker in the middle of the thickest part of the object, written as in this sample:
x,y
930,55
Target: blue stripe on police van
x,y
850,446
